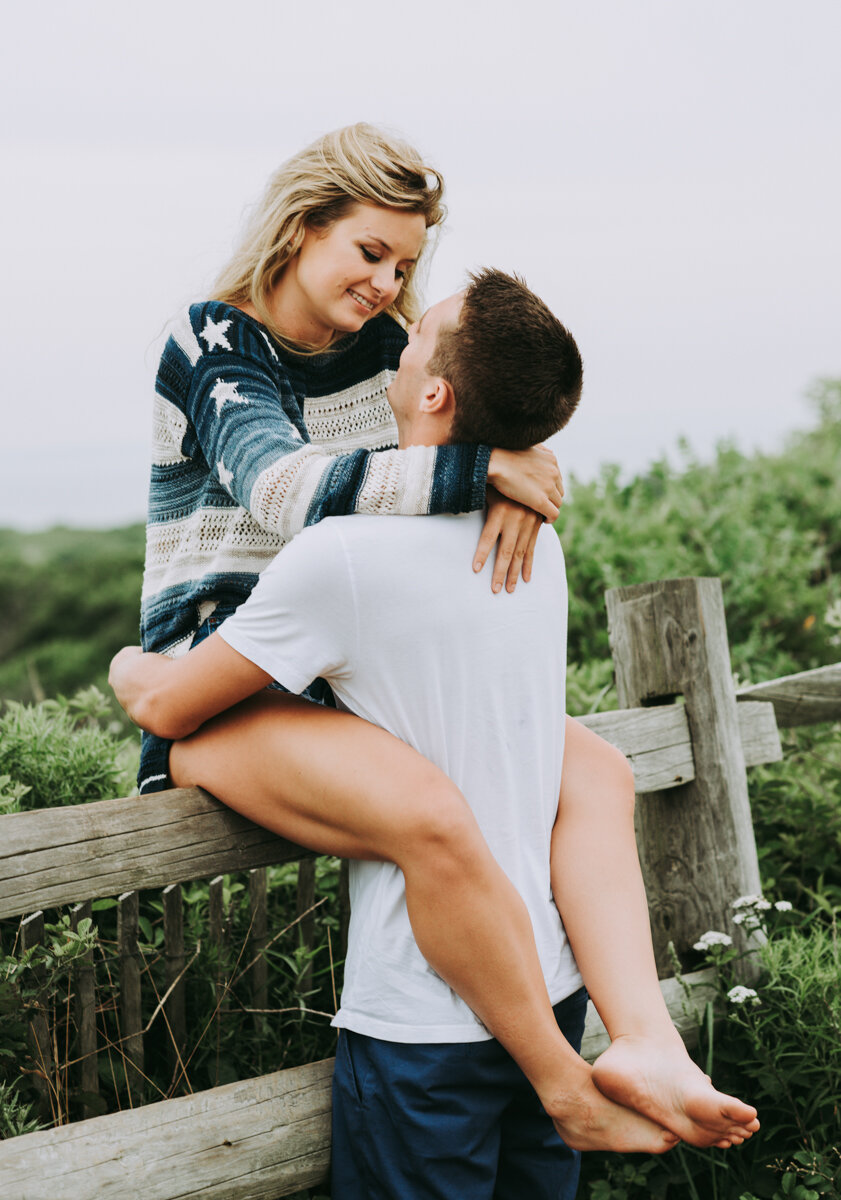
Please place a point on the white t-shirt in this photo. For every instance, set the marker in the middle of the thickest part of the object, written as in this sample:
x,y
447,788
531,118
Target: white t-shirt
x,y
390,612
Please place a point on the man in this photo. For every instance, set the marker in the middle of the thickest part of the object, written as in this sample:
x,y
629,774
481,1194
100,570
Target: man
x,y
426,1104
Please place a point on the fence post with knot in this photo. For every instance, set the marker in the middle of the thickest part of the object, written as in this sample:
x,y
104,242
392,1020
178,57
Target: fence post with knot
x,y
696,841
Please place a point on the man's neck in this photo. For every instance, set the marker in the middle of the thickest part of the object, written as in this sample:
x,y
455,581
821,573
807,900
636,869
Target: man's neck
x,y
423,431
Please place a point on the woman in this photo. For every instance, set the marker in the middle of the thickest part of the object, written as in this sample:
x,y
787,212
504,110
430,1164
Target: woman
x,y
253,442
296,348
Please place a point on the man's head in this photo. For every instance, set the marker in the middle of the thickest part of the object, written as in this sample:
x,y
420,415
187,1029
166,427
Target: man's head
x,y
491,364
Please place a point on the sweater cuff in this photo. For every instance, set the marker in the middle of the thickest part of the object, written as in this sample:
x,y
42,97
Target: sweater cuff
x,y
460,478
478,496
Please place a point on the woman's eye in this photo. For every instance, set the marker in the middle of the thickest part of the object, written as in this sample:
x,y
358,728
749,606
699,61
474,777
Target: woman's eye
x,y
369,255
398,274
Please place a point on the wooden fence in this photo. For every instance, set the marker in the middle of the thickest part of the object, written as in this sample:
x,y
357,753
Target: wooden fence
x,y
689,738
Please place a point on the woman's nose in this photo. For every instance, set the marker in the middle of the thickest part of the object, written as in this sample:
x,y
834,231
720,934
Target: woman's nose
x,y
384,280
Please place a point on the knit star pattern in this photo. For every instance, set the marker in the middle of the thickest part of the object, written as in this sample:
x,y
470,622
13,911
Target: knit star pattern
x,y
214,333
226,393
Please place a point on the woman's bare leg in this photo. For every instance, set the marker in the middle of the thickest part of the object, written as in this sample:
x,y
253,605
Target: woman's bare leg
x,y
598,887
335,783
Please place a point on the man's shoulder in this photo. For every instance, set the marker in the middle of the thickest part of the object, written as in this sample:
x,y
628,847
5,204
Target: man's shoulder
x,y
380,534
411,551
430,532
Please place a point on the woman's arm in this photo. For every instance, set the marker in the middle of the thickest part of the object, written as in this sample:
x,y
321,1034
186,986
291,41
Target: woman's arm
x,y
244,417
242,414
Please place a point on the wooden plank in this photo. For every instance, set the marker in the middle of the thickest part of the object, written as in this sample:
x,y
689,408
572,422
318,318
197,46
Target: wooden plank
x,y
758,733
802,699
258,938
130,970
84,985
657,744
305,901
255,1140
40,1040
655,740
697,846
218,937
175,959
64,855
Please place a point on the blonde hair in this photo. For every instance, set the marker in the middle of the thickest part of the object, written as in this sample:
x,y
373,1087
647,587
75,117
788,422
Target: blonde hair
x,y
316,188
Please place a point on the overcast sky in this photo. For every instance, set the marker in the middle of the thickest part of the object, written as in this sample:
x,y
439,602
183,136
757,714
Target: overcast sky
x,y
665,173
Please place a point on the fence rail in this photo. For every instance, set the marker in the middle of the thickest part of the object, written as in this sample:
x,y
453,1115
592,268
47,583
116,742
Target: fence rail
x,y
61,856
683,731
803,699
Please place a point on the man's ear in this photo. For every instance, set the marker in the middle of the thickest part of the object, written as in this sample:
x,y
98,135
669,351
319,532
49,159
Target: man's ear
x,y
438,397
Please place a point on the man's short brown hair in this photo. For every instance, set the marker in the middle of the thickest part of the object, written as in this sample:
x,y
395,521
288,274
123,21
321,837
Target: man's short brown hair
x,y
514,368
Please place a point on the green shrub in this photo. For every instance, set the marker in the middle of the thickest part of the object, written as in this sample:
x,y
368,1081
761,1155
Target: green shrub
x,y
63,752
28,982
779,1048
768,525
796,807
70,600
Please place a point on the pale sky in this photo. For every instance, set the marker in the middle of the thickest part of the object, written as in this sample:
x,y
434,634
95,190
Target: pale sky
x,y
665,174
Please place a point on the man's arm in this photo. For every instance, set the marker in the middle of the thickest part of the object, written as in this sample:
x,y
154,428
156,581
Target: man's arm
x,y
172,697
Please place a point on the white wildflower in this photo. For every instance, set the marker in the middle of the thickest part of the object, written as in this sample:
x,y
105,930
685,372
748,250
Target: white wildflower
x,y
741,994
783,905
713,938
747,908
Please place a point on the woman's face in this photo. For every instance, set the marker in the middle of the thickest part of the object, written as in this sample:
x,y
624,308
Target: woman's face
x,y
346,274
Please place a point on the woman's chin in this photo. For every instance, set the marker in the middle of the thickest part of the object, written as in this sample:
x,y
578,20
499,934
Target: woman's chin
x,y
351,322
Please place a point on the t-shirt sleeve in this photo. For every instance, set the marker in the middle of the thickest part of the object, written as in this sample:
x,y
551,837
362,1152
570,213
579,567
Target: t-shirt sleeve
x,y
247,424
299,622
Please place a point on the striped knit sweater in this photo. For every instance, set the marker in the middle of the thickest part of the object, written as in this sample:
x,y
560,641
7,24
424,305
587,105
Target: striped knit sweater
x,y
252,443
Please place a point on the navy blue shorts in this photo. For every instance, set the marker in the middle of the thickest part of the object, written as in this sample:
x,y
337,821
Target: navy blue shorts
x,y
446,1122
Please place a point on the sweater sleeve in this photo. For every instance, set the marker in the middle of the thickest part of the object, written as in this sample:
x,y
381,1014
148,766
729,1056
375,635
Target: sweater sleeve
x,y
247,423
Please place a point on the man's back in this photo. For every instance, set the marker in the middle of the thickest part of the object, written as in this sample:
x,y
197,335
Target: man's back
x,y
412,640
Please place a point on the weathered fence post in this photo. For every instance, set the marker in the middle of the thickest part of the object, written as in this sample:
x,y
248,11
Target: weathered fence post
x,y
85,986
131,1021
40,1042
218,936
175,956
696,842
305,901
258,939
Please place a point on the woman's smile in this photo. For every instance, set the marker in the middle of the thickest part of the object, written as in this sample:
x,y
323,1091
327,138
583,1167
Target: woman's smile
x,y
368,305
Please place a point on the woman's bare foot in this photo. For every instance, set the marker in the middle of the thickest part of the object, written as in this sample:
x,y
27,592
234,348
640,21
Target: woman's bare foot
x,y
587,1120
656,1077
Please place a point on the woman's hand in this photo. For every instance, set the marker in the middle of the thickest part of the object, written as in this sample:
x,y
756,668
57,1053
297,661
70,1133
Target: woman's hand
x,y
513,529
127,676
531,477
